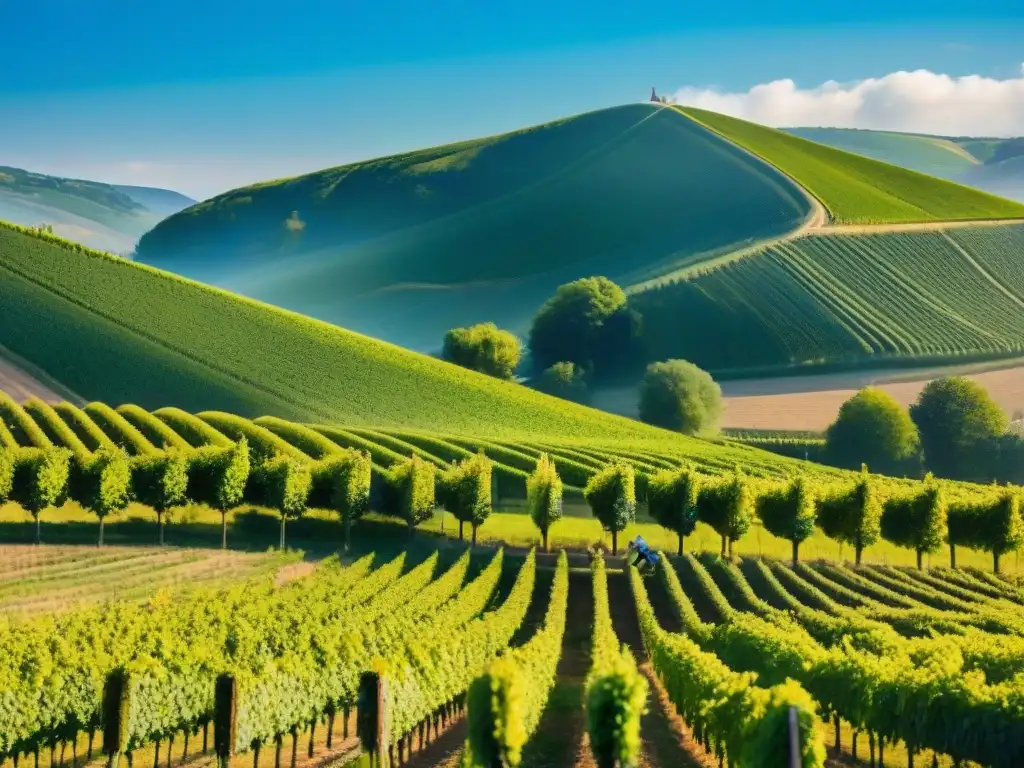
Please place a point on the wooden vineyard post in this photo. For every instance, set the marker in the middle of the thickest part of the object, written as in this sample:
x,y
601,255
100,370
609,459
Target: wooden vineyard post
x,y
372,718
794,739
116,710
225,719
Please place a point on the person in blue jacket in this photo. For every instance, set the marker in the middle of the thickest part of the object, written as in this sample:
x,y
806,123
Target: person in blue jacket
x,y
642,556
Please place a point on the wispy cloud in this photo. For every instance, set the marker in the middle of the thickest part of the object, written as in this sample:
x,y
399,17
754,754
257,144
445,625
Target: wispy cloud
x,y
920,101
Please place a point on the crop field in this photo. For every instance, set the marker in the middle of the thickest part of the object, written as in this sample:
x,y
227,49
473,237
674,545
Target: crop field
x,y
946,297
856,189
130,333
59,578
404,248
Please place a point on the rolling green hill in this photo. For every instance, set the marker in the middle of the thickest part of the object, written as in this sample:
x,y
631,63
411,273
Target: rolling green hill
x,y
405,247
858,189
991,165
99,215
119,331
848,299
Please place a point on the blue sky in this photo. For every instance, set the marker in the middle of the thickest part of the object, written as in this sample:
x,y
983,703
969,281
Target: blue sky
x,y
204,96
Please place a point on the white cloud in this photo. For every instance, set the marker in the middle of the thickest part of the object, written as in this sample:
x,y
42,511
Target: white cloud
x,y
918,102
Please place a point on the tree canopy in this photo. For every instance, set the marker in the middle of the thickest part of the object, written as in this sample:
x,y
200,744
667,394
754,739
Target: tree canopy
x,y
873,429
565,380
483,347
678,395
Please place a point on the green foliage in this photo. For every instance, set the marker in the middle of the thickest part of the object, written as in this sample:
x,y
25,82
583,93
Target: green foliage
x,y
852,515
341,482
505,704
40,478
263,444
544,496
565,380
21,426
465,490
789,511
956,419
679,396
124,434
7,463
155,431
993,524
57,431
727,505
873,429
571,326
611,494
260,360
193,429
843,300
672,496
616,693
281,483
409,490
483,348
856,189
218,476
102,483
916,521
161,480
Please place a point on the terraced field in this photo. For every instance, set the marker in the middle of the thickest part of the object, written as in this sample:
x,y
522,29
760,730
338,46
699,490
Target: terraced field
x,y
858,299
858,189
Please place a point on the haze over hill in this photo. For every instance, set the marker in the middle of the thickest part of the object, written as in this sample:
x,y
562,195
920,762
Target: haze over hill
x,y
103,216
405,247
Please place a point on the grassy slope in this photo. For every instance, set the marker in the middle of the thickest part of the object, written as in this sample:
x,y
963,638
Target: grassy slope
x,y
117,331
857,189
405,247
934,156
849,299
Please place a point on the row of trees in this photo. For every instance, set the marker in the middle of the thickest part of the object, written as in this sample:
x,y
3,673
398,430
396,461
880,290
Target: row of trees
x,y
954,429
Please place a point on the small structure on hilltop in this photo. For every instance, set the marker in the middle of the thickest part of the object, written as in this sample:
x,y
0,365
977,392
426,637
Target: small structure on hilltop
x,y
654,96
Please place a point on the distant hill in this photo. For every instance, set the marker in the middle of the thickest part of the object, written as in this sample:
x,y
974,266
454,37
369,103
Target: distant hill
x,y
99,215
406,247
990,164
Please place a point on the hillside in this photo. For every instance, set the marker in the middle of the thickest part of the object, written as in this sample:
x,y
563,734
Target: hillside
x,y
848,299
858,189
405,247
991,165
99,215
114,330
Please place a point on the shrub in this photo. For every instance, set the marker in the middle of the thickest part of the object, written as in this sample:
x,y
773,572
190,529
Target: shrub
x,y
993,525
672,500
678,395
611,494
217,477
161,481
570,326
341,482
102,483
727,505
409,490
916,520
565,380
281,483
544,496
789,512
852,516
484,348
465,491
40,480
958,423
873,429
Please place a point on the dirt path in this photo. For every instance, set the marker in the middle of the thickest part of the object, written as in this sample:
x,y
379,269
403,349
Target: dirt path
x,y
917,226
20,381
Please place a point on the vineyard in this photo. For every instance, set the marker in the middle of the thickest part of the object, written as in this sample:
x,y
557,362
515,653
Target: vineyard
x,y
849,299
857,189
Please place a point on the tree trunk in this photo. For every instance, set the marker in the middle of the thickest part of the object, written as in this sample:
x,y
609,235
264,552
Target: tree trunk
x,y
858,551
920,560
731,542
312,738
330,726
474,526
206,731
871,748
281,543
160,525
839,743
170,749
277,751
952,555
224,529
724,546
615,542
461,524
995,562
796,552
544,536
679,550
39,531
100,544
295,748
156,754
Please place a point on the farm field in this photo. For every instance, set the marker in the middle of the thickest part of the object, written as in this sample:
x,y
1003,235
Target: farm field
x,y
858,189
402,248
823,300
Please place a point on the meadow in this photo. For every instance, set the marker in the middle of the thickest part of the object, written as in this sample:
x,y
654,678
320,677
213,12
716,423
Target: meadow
x,y
857,189
848,300
403,248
